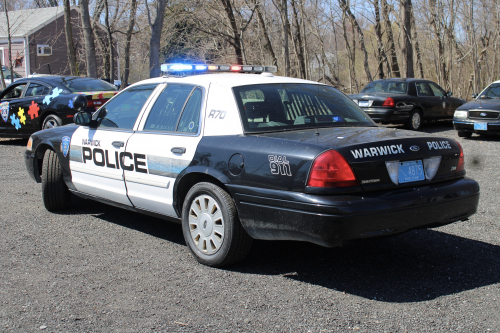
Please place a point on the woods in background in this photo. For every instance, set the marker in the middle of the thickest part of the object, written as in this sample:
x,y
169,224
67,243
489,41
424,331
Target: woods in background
x,y
344,43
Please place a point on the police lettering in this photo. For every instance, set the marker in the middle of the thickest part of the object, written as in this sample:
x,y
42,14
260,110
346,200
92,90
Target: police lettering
x,y
377,151
439,145
124,160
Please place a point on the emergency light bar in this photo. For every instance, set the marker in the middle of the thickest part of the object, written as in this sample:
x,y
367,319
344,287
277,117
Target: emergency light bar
x,y
201,68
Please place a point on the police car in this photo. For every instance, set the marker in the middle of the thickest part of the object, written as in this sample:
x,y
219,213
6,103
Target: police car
x,y
237,154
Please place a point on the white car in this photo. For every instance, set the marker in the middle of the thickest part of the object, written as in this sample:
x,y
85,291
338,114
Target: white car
x,y
235,157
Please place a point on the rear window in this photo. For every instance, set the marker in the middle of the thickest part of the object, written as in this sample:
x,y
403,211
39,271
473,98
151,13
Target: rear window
x,y
286,106
393,87
83,84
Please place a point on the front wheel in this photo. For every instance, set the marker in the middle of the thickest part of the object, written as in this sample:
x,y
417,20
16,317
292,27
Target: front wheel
x,y
211,228
55,193
51,121
415,121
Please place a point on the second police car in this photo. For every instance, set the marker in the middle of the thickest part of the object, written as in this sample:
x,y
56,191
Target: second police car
x,y
235,157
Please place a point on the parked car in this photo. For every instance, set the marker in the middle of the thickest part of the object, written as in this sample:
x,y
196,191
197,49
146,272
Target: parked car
x,y
235,157
8,76
41,102
482,115
406,101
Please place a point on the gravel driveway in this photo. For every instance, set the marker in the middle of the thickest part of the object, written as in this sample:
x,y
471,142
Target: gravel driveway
x,y
97,268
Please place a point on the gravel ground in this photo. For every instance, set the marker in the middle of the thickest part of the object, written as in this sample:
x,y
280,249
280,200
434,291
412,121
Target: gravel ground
x,y
97,268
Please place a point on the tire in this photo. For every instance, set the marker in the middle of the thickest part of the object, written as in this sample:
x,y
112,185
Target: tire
x,y
464,134
51,121
414,123
55,193
211,227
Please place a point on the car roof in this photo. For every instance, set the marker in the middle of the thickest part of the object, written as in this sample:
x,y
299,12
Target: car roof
x,y
51,78
226,79
402,79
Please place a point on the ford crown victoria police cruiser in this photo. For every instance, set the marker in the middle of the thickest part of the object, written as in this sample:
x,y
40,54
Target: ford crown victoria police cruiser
x,y
235,157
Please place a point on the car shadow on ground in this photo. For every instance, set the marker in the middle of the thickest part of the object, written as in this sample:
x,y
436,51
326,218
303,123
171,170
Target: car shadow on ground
x,y
13,142
413,267
484,137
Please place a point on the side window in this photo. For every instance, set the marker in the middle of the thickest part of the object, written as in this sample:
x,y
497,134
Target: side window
x,y
122,111
437,90
36,89
190,118
14,92
167,108
423,89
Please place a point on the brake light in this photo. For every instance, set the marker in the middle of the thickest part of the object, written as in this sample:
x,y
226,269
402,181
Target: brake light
x,y
461,159
389,102
331,169
90,103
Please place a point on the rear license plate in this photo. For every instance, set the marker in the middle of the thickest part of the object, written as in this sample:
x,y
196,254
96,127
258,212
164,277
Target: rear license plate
x,y
481,126
410,171
364,104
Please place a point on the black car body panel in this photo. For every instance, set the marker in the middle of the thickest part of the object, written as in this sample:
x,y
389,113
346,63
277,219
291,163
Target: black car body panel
x,y
432,107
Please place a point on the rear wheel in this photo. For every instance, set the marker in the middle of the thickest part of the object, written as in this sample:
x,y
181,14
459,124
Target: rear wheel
x,y
55,193
464,134
211,228
414,123
51,121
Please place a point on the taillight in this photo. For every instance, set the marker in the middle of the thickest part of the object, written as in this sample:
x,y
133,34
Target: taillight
x,y
461,159
331,169
389,102
90,103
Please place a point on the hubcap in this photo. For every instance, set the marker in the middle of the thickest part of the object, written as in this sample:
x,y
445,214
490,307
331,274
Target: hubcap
x,y
206,224
51,123
415,120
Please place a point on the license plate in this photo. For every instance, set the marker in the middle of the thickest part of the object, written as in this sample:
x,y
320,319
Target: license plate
x,y
364,104
410,171
481,126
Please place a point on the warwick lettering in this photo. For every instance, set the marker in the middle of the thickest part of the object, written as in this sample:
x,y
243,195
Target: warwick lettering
x,y
377,151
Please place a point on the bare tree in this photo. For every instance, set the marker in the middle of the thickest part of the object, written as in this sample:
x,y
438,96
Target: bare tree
x,y
89,40
130,29
390,38
154,43
407,48
69,39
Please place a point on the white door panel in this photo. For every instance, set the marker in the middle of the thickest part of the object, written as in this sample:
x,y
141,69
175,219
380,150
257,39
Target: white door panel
x,y
110,189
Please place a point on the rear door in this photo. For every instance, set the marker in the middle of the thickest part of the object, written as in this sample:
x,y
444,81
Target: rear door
x,y
163,146
97,155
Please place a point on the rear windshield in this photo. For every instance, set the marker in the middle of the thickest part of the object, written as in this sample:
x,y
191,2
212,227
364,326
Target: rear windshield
x,y
285,106
393,87
83,84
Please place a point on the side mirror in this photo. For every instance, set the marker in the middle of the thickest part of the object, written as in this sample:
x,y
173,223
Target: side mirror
x,y
474,95
84,119
79,103
449,93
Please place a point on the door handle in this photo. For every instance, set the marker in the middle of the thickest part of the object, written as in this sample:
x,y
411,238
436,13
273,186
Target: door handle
x,y
117,144
178,150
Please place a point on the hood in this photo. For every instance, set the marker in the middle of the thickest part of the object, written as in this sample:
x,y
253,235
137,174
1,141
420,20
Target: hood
x,y
489,104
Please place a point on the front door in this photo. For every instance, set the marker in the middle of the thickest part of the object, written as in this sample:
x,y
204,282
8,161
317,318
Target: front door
x,y
164,146
433,106
12,118
97,155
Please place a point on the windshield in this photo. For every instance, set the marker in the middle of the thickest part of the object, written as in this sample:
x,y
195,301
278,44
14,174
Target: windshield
x,y
286,106
393,87
7,76
84,84
493,91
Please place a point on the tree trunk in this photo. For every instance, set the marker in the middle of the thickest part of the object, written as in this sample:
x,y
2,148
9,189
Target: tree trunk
x,y
228,8
268,46
361,36
380,46
69,39
390,38
437,32
2,79
284,21
9,41
154,43
89,40
407,48
110,42
417,47
352,72
130,29
298,42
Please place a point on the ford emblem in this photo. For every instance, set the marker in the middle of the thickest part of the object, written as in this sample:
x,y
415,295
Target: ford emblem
x,y
482,114
415,148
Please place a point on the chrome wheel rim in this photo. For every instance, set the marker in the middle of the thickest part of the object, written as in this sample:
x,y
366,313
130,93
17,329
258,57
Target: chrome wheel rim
x,y
51,123
415,120
206,224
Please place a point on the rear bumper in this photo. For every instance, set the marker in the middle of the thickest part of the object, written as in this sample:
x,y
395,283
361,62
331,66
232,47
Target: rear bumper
x,y
331,220
387,115
468,126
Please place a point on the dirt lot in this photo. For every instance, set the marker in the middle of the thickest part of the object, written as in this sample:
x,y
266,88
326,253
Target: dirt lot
x,y
97,268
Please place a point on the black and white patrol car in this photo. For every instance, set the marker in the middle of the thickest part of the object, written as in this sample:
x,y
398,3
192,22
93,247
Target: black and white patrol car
x,y
235,157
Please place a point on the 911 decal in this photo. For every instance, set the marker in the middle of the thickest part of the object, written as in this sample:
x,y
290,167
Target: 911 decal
x,y
279,165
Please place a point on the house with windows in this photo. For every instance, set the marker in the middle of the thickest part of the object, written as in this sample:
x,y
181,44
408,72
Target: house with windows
x,y
38,41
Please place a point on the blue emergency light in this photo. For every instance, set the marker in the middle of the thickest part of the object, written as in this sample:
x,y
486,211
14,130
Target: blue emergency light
x,y
201,68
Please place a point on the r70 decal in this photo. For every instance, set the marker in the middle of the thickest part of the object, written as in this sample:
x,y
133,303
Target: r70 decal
x,y
217,114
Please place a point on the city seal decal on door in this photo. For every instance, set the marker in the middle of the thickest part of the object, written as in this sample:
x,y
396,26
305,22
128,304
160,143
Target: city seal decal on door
x,y
4,107
65,145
